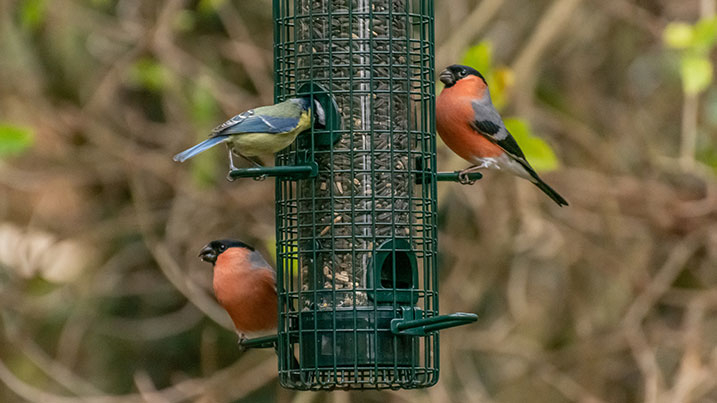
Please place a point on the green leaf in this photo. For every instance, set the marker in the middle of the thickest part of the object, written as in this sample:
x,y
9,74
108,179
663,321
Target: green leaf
x,y
705,34
15,140
184,21
678,35
204,106
204,168
696,72
707,152
480,57
203,109
149,74
32,13
100,3
538,153
500,81
710,107
270,245
209,6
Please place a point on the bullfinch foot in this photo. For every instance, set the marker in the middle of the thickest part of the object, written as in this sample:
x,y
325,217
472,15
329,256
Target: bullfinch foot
x,y
463,178
240,342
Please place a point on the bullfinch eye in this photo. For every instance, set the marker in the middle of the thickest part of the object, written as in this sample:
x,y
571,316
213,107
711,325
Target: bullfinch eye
x,y
222,247
461,73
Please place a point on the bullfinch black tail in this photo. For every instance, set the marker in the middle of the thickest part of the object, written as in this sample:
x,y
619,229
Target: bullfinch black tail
x,y
550,192
535,179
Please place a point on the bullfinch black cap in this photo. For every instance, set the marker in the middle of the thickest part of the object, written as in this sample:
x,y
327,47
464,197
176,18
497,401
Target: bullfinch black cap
x,y
213,249
455,72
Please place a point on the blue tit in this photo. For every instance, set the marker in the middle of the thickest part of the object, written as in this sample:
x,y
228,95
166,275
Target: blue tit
x,y
263,130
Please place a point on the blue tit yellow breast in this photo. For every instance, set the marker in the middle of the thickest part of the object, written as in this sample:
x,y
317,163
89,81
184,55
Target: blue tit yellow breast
x,y
255,144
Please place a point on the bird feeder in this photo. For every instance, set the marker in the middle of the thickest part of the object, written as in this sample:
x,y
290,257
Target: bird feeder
x,y
356,228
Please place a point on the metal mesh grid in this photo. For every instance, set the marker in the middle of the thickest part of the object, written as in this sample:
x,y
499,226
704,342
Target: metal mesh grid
x,y
375,57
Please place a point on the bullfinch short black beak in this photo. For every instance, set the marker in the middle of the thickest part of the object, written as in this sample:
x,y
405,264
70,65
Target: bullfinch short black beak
x,y
208,254
447,77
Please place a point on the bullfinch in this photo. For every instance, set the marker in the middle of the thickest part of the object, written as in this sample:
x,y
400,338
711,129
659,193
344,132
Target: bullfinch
x,y
470,126
245,286
263,130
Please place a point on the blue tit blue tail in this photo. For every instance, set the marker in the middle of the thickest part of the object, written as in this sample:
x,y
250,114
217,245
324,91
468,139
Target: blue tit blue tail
x,y
201,147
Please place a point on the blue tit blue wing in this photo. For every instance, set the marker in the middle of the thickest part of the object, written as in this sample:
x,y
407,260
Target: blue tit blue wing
x,y
252,122
203,146
238,119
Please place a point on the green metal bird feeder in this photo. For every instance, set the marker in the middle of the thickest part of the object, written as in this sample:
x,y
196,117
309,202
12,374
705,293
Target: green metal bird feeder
x,y
356,200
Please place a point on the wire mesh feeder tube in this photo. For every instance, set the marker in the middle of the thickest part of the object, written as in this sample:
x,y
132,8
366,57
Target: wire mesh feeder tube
x,y
356,244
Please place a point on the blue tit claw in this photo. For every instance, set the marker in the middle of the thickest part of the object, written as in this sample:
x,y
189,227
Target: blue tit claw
x,y
260,178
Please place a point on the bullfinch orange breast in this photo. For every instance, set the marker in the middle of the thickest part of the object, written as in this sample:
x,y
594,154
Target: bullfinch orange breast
x,y
470,126
245,286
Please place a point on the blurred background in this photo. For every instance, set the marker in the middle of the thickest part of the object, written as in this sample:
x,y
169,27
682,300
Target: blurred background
x,y
612,299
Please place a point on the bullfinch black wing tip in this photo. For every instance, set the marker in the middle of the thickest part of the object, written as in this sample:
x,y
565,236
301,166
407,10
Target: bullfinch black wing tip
x,y
486,126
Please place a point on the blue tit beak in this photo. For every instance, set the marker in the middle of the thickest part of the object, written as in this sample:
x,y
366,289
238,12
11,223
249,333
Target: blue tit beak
x,y
320,114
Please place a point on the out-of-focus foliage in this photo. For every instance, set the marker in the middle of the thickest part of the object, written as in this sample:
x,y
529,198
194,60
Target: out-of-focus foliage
x,y
203,110
695,43
14,139
33,13
43,255
149,74
536,150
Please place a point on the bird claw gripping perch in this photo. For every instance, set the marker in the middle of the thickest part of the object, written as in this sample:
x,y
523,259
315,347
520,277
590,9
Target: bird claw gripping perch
x,y
259,178
463,179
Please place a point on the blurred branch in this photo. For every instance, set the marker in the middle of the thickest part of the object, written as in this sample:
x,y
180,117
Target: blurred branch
x,y
168,265
226,92
567,386
55,370
226,385
465,369
693,377
665,276
147,390
31,393
450,50
525,66
633,14
155,328
578,133
688,139
643,353
690,106
245,52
